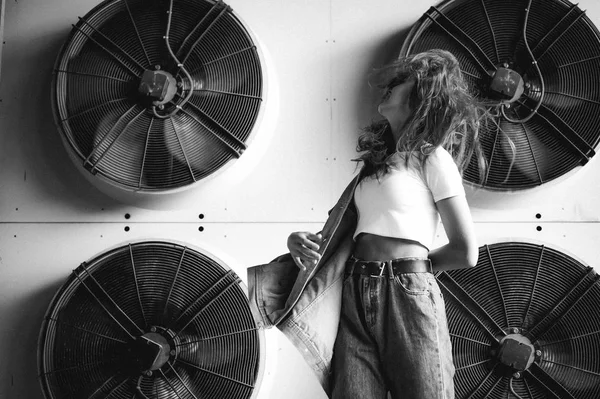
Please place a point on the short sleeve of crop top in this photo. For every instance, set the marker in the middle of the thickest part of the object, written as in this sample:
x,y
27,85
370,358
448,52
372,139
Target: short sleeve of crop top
x,y
442,175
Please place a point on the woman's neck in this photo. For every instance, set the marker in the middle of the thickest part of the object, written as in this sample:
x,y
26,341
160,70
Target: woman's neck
x,y
397,129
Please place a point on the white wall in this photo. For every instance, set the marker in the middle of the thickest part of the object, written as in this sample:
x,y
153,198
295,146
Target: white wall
x,y
52,218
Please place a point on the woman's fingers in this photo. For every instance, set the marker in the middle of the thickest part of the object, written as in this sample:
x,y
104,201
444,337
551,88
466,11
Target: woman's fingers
x,y
309,254
312,241
304,246
299,263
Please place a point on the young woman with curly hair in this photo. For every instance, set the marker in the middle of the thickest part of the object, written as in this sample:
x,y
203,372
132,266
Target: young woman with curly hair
x,y
393,335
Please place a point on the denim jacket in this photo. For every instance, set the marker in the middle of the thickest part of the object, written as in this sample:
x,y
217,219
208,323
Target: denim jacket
x,y
305,305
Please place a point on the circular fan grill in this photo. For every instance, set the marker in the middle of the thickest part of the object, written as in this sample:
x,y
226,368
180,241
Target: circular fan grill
x,y
156,95
536,63
150,320
524,323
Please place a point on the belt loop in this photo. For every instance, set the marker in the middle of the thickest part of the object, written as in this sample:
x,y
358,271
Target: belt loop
x,y
390,269
382,268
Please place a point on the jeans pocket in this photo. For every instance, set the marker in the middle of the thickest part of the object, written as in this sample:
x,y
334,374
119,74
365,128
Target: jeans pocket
x,y
415,283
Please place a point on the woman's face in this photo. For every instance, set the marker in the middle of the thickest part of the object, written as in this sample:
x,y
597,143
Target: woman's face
x,y
395,103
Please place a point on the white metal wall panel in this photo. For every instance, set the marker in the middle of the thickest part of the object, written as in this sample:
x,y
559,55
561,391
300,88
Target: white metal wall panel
x,y
37,258
52,218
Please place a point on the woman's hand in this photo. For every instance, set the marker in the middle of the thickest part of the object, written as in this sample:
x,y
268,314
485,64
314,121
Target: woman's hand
x,y
303,247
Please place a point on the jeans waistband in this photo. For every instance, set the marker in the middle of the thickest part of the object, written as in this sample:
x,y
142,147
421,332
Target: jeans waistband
x,y
388,267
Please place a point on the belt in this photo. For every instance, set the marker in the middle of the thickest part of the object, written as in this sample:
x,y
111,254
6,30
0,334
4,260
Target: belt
x,y
388,267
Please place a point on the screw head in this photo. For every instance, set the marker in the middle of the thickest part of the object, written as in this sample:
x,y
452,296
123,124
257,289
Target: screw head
x,y
538,353
153,329
172,353
514,330
517,375
148,373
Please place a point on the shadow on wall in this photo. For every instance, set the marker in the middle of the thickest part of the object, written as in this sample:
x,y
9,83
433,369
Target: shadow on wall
x,y
27,315
383,53
50,174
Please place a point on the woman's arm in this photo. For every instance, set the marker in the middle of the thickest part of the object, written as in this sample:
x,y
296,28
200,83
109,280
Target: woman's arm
x,y
461,250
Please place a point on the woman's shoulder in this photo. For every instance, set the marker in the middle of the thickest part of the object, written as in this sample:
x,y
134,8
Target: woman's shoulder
x,y
435,158
439,156
440,163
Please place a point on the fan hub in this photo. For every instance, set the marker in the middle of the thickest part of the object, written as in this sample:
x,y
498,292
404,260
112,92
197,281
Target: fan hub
x,y
152,351
516,351
506,85
158,86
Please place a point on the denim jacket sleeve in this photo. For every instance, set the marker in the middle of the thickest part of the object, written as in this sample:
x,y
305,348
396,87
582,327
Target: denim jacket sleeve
x,y
305,305
274,288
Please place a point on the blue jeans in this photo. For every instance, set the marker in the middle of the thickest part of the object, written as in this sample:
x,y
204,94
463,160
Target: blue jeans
x,y
393,336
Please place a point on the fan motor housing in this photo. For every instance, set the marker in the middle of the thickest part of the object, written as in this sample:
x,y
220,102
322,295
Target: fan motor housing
x,y
506,85
516,351
152,351
159,86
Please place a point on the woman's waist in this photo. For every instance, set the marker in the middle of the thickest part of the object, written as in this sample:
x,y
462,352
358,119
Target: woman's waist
x,y
376,247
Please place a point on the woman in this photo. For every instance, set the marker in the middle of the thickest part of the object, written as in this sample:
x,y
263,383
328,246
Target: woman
x,y
393,334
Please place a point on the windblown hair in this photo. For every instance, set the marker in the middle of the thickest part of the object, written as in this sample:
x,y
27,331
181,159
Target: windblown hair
x,y
444,113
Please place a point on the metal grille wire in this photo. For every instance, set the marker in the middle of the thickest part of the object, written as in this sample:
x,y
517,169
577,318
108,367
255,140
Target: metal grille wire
x,y
111,130
536,292
99,316
550,139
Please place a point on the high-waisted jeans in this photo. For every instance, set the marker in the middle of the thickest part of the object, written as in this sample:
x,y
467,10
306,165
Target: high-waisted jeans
x,y
393,336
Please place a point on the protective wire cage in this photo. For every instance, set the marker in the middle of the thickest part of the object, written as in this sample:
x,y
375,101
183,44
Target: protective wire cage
x,y
157,95
524,323
150,320
534,63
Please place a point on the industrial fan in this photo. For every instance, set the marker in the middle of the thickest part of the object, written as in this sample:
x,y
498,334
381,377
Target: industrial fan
x,y
535,65
524,323
150,320
154,96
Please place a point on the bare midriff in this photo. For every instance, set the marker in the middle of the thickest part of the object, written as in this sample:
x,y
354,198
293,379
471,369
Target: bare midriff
x,y
375,247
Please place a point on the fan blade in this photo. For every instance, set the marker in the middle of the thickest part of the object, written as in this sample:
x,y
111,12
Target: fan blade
x,y
523,151
120,145
192,142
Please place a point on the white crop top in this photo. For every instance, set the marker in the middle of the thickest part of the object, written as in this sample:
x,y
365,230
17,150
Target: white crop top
x,y
401,203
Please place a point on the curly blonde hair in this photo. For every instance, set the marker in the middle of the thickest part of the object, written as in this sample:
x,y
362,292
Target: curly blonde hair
x,y
444,113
